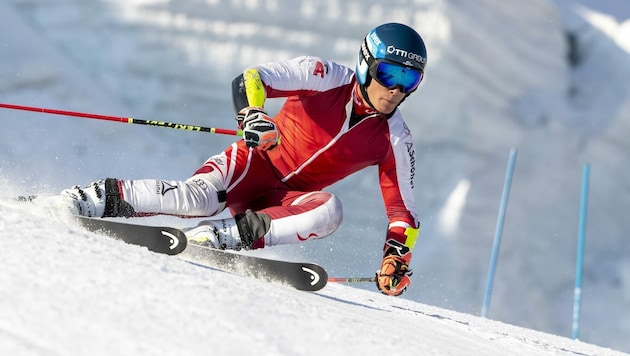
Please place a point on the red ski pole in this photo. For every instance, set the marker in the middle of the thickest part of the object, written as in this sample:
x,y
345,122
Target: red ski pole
x,y
352,280
127,120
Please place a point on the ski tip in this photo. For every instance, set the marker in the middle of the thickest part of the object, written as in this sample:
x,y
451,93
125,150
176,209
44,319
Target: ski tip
x,y
316,278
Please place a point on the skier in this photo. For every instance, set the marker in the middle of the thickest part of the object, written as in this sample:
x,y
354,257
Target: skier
x,y
334,122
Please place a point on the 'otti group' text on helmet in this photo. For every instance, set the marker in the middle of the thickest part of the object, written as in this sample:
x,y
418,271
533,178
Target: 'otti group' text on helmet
x,y
395,55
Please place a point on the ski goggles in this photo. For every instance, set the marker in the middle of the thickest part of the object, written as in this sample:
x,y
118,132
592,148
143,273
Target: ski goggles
x,y
392,75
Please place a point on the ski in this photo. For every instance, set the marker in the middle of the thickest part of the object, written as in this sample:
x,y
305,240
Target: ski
x,y
172,241
158,239
300,275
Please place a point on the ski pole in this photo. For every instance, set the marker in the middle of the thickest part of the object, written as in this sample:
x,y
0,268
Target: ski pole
x,y
352,280
128,120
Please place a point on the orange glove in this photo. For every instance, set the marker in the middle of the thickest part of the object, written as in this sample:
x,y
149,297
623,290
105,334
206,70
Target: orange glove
x,y
393,277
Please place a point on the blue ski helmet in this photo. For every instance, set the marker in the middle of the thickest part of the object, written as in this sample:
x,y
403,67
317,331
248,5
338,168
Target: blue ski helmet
x,y
393,43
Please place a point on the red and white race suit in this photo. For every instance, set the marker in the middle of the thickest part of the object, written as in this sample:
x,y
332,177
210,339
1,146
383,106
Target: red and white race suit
x,y
327,133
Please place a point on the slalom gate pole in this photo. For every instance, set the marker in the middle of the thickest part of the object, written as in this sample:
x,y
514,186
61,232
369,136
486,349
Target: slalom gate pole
x,y
352,280
577,293
498,232
127,120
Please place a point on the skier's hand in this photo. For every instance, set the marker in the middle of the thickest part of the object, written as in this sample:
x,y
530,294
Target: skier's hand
x,y
393,277
259,130
245,112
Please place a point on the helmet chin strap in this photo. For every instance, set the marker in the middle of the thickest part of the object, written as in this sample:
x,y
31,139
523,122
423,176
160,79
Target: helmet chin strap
x,y
364,93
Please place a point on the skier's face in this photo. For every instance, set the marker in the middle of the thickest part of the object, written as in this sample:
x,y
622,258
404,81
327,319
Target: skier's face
x,y
384,100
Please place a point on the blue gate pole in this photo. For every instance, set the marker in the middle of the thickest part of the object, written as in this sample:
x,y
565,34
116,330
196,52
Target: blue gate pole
x,y
498,231
577,292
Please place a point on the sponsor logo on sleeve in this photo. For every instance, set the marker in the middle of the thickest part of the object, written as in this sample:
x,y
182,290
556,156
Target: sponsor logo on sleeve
x,y
320,69
163,187
412,162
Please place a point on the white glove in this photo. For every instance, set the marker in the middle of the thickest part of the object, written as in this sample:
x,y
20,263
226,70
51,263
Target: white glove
x,y
259,130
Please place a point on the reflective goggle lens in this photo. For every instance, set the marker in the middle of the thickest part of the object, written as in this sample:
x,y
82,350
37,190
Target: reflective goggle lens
x,y
392,75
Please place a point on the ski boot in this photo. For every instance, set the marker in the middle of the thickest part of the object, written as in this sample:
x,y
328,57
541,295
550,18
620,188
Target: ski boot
x,y
243,231
100,199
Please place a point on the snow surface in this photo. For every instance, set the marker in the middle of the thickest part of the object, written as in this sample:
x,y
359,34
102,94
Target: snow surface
x,y
70,292
498,77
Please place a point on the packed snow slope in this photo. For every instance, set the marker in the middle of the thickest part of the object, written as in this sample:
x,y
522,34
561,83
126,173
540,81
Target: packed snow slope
x,y
70,292
548,78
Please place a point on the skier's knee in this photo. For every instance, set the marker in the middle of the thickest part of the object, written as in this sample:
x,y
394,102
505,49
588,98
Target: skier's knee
x,y
335,213
214,194
326,213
